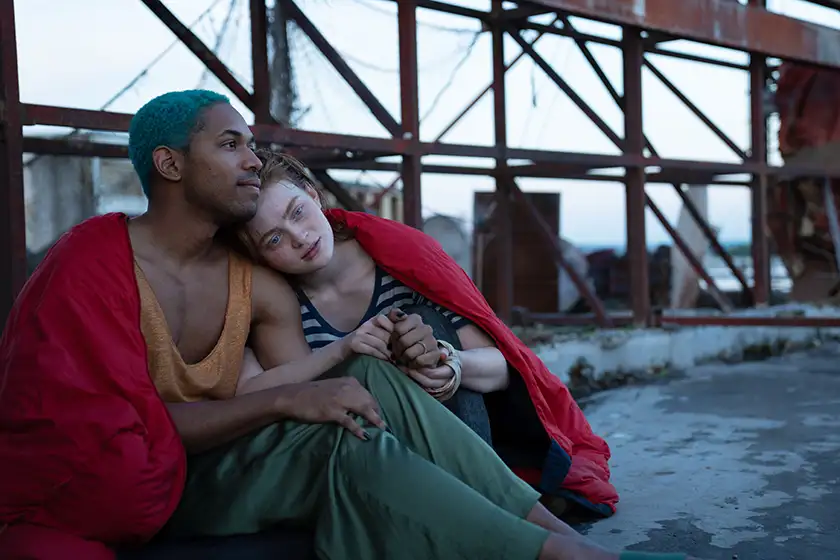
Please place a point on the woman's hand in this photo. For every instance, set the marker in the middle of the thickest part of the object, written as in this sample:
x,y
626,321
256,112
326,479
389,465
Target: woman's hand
x,y
372,338
430,378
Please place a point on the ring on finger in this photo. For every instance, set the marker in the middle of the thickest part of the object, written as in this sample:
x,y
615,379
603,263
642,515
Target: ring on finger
x,y
423,344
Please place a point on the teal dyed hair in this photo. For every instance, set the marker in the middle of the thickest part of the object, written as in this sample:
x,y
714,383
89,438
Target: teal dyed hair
x,y
168,120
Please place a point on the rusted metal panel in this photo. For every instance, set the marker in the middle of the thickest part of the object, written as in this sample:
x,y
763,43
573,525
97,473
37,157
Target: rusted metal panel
x,y
12,216
718,22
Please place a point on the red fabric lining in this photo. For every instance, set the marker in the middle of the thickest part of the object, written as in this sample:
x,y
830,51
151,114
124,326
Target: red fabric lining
x,y
87,447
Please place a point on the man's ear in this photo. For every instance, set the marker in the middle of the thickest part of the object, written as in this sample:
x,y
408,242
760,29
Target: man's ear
x,y
169,163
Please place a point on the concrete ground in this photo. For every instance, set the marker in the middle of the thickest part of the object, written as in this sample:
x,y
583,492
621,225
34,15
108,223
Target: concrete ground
x,y
728,461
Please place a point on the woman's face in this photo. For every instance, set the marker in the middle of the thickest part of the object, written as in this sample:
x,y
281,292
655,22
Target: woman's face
x,y
290,231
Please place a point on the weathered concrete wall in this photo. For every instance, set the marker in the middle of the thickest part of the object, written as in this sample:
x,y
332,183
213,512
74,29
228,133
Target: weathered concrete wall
x,y
607,358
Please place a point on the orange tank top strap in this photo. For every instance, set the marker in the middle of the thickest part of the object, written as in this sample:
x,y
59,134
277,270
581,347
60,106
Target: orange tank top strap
x,y
215,376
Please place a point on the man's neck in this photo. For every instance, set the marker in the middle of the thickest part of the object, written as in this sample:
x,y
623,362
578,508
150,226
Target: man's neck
x,y
183,236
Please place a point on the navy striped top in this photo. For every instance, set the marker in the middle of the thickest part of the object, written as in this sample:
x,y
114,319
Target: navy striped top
x,y
388,293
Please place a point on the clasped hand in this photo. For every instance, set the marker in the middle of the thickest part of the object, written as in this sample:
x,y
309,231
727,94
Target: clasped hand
x,y
405,340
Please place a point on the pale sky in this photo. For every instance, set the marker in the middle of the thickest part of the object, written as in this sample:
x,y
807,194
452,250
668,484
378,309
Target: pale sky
x,y
79,53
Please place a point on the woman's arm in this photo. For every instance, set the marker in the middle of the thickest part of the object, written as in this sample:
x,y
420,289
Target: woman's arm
x,y
483,367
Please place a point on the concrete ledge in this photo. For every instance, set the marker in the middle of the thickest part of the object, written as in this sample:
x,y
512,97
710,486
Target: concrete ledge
x,y
608,358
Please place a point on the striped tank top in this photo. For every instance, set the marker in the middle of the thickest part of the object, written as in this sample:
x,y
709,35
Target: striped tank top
x,y
388,293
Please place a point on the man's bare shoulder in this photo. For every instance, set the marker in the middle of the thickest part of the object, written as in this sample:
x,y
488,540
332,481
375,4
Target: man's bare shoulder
x,y
272,296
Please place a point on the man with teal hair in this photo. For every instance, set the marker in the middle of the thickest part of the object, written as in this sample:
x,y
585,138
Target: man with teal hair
x,y
121,413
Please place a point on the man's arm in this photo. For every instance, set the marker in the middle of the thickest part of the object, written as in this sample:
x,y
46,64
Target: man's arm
x,y
204,425
277,338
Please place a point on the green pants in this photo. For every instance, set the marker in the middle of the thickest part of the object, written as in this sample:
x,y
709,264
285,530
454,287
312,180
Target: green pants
x,y
430,489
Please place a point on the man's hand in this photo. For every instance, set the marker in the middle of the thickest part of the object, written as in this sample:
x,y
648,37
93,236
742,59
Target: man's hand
x,y
413,342
331,401
372,338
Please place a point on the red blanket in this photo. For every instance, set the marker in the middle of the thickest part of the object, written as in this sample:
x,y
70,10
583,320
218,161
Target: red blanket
x,y
578,457
87,449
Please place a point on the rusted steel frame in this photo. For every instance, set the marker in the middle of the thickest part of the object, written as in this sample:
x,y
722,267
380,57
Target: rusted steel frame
x,y
202,51
758,154
259,62
380,195
635,178
12,212
649,45
368,98
583,288
502,218
286,137
634,143
411,172
696,110
452,9
689,204
523,12
73,147
567,89
336,189
717,22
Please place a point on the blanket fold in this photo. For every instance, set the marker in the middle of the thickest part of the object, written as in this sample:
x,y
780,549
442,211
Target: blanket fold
x,y
87,447
577,460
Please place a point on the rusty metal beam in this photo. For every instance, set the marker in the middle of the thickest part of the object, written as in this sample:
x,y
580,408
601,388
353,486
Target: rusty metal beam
x,y
202,51
717,22
567,89
79,147
287,137
502,216
758,154
12,214
411,172
259,62
353,80
635,196
696,110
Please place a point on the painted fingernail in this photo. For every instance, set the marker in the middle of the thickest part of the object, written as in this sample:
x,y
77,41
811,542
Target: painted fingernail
x,y
400,313
366,435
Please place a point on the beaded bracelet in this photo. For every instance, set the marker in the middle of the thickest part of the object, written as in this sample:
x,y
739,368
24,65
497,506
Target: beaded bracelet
x,y
454,362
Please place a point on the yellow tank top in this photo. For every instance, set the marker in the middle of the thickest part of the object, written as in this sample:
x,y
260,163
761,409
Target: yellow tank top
x,y
214,377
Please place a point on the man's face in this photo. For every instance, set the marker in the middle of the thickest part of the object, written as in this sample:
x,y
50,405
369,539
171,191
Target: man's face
x,y
221,169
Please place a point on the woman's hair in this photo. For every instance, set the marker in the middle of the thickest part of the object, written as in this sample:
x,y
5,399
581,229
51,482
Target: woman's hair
x,y
276,168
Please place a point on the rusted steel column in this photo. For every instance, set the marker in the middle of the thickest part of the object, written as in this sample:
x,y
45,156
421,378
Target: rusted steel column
x,y
12,216
758,134
634,142
259,62
411,168
502,214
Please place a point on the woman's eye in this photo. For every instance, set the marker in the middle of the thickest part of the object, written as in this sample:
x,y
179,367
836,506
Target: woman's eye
x,y
298,211
275,239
